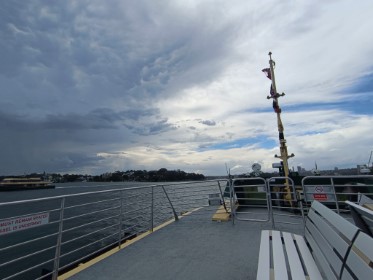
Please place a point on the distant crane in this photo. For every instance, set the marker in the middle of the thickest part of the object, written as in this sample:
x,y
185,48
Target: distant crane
x,y
365,169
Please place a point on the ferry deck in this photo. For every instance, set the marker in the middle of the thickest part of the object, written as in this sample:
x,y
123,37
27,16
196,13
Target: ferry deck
x,y
173,231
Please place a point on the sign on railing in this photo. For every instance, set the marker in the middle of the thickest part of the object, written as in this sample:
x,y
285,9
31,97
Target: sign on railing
x,y
321,193
22,223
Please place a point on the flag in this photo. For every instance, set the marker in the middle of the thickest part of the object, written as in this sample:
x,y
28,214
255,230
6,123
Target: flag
x,y
267,71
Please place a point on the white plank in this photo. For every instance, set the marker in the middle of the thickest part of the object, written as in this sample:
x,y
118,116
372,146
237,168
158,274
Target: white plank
x,y
309,262
279,263
331,234
264,257
322,245
346,228
296,268
346,276
362,209
321,262
361,255
359,267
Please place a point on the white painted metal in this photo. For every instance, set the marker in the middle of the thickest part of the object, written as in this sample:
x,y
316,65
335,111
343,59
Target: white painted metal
x,y
360,259
279,264
320,259
308,260
296,268
329,237
264,256
336,220
365,216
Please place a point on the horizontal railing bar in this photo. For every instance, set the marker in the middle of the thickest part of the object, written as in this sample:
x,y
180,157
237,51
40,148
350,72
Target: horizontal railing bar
x,y
28,242
136,210
91,203
134,202
28,269
26,256
132,218
90,213
87,224
86,256
30,214
87,245
88,234
68,196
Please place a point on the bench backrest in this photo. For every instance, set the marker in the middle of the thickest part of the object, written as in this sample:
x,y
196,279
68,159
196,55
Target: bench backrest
x,y
363,217
359,262
330,237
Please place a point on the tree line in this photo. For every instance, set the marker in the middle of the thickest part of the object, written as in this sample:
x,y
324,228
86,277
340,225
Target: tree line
x,y
161,175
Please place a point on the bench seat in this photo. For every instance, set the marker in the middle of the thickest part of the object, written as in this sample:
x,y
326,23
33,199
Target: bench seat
x,y
363,217
331,248
278,250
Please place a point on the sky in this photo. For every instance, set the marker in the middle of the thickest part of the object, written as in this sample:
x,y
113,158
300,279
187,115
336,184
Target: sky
x,y
97,86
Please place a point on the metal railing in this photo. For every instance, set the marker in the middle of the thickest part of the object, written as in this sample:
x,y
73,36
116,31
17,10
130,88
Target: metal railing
x,y
285,205
335,190
251,195
41,238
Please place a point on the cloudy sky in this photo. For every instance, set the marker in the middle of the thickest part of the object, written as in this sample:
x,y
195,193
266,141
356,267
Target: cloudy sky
x,y
98,86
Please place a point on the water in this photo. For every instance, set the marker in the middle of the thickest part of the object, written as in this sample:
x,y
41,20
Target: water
x,y
66,189
136,205
52,227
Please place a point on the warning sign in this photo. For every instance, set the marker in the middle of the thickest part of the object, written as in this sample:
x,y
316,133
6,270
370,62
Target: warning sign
x,y
319,192
320,196
21,223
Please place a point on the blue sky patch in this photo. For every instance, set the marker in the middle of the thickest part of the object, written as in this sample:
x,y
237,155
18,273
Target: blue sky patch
x,y
261,141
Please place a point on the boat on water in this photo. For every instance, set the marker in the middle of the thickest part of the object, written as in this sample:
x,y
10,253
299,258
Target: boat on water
x,y
25,183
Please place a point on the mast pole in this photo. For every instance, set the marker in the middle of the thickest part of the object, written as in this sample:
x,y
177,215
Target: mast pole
x,y
284,156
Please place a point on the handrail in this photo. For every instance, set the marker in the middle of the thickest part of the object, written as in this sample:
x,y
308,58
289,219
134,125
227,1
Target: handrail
x,y
253,186
81,225
326,189
98,220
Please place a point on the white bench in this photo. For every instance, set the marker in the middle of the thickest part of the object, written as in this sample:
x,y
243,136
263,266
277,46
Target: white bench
x,y
363,217
332,248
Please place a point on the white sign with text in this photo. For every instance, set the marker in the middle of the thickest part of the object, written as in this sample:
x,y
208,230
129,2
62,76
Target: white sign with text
x,y
22,223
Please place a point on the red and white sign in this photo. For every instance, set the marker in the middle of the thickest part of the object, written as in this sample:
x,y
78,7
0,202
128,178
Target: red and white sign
x,y
319,194
22,223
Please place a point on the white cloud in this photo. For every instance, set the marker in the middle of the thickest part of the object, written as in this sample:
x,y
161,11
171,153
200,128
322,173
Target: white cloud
x,y
125,85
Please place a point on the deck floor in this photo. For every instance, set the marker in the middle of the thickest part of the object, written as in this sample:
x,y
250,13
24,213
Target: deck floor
x,y
195,247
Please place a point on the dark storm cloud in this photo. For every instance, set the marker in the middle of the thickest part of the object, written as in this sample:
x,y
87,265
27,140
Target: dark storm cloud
x,y
71,141
79,54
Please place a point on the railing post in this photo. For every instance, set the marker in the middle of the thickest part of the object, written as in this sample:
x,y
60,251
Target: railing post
x,y
231,198
120,220
335,195
59,241
169,200
152,211
269,197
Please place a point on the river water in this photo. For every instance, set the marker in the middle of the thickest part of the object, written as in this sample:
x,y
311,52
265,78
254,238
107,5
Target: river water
x,y
66,189
22,210
137,218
